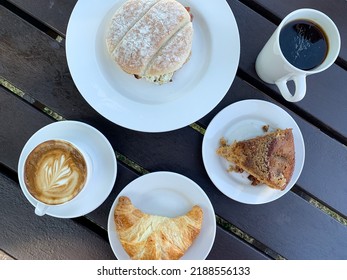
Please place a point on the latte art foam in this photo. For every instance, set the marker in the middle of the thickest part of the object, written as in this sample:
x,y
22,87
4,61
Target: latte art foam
x,y
55,172
56,175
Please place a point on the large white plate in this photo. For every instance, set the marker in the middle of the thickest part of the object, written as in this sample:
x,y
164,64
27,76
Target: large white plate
x,y
240,121
136,104
104,165
168,194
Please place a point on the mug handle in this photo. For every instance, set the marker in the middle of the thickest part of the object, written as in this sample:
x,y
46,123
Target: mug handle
x,y
41,209
300,88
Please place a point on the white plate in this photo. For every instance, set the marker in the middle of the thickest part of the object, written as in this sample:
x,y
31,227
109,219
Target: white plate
x,y
240,121
104,163
168,194
136,104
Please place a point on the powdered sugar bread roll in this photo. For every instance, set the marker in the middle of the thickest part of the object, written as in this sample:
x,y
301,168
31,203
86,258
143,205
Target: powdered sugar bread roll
x,y
150,39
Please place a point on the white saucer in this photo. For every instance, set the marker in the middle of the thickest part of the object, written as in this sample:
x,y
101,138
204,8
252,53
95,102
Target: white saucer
x,y
101,153
239,121
168,194
139,105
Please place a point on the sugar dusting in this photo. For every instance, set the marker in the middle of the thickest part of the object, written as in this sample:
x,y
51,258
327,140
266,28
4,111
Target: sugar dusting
x,y
134,50
122,22
174,54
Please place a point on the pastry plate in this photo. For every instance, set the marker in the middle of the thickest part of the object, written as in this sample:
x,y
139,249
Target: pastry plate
x,y
101,154
239,121
139,105
168,194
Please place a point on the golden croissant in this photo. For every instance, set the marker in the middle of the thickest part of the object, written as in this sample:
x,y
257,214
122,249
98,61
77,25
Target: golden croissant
x,y
151,237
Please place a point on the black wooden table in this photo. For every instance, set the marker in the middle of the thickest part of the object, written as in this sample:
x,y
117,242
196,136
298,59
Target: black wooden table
x,y
309,222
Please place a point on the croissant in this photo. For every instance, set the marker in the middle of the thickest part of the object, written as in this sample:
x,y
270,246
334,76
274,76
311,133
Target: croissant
x,y
151,237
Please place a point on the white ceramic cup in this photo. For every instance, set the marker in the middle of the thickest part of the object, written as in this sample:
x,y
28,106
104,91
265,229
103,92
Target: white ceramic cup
x,y
41,208
273,68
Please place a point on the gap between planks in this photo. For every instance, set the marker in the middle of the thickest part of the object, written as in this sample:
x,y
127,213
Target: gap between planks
x,y
4,256
137,168
141,171
299,192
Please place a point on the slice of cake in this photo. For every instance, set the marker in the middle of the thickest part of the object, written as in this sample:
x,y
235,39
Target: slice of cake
x,y
269,158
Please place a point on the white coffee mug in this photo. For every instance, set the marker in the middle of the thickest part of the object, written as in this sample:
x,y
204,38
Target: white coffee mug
x,y
41,207
272,66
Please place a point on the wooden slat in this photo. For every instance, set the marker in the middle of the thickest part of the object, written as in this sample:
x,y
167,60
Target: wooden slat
x,y
328,88
53,13
61,95
56,13
18,122
4,256
336,10
294,229
27,236
325,161
22,125
279,220
34,53
100,214
270,223
233,249
274,222
319,86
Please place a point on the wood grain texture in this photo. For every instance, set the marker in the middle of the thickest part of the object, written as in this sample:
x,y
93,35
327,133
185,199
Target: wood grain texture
x,y
233,249
100,215
4,256
61,96
269,223
53,13
319,86
40,66
21,126
323,155
18,122
280,225
26,236
326,95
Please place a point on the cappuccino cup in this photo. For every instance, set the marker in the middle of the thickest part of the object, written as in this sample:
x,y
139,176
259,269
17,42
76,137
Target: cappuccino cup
x,y
55,173
306,42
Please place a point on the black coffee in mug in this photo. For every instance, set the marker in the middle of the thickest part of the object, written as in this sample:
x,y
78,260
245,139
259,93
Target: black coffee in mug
x,y
304,44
